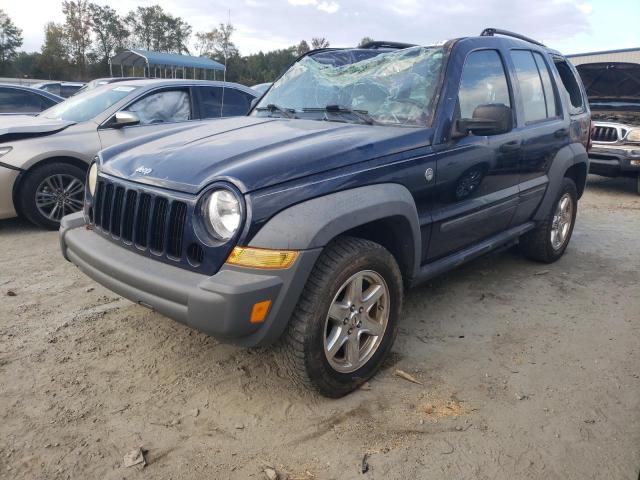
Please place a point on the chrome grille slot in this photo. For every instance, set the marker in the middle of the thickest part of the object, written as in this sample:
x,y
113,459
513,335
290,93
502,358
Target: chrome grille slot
x,y
605,134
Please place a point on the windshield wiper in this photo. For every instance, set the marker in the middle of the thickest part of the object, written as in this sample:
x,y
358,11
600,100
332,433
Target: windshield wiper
x,y
361,115
272,107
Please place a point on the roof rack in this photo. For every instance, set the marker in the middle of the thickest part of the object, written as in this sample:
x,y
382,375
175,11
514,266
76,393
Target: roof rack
x,y
382,44
490,32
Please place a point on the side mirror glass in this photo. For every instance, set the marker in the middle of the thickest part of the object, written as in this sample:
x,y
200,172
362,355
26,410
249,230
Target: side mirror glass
x,y
492,119
124,118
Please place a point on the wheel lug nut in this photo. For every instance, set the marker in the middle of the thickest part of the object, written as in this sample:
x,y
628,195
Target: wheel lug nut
x,y
361,309
352,308
345,321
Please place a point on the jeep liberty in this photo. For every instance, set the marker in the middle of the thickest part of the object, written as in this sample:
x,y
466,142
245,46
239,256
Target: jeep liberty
x,y
361,172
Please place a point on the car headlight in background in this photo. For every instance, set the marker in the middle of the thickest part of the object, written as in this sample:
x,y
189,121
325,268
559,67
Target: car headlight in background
x,y
633,136
5,150
92,178
222,212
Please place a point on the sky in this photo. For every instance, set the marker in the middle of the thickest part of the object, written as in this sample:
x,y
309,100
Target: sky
x,y
570,26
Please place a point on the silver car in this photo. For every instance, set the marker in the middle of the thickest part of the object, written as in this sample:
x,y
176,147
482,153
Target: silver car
x,y
44,159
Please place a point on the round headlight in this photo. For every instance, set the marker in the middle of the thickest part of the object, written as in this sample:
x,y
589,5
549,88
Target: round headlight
x,y
634,135
92,178
222,210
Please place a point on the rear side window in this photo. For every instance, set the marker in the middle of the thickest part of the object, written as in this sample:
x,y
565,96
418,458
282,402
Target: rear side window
x,y
571,87
483,82
211,102
19,101
547,85
235,102
531,89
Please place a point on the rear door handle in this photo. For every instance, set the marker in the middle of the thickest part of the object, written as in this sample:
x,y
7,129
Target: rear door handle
x,y
510,146
563,132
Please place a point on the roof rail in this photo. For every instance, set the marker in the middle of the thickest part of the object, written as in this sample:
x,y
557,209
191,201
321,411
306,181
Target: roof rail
x,y
382,44
490,32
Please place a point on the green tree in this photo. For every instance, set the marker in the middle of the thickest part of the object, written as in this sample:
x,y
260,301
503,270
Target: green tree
x,y
154,29
365,40
109,30
10,41
319,42
77,28
302,48
54,59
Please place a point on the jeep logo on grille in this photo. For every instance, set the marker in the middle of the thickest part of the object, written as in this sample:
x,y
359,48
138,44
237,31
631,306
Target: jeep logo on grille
x,y
143,170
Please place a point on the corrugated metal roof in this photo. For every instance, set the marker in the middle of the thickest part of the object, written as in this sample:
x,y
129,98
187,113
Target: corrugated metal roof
x,y
141,58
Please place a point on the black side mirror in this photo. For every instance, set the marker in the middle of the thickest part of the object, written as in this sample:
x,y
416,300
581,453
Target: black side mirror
x,y
492,119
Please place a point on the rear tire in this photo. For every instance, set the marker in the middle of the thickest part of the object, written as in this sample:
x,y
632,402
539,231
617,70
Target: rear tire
x,y
50,191
345,322
638,184
548,241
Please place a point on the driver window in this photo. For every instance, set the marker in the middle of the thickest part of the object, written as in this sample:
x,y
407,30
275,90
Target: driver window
x,y
163,107
483,82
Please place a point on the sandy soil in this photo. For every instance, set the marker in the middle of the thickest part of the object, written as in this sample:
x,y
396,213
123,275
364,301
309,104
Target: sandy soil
x,y
527,371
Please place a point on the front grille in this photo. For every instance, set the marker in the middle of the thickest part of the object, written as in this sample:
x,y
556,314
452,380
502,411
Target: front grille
x,y
604,134
151,222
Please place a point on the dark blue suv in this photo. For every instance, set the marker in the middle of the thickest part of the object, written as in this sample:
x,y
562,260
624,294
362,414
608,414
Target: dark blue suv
x,y
360,173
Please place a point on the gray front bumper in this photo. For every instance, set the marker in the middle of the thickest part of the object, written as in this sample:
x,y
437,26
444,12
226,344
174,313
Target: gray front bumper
x,y
613,160
219,305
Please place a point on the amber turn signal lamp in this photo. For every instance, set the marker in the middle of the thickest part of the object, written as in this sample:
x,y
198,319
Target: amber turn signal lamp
x,y
262,258
259,311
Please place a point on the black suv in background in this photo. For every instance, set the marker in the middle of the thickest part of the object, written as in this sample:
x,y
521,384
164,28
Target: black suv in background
x,y
613,90
359,173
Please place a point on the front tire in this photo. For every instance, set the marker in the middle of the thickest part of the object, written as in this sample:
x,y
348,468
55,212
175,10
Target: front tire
x,y
346,319
51,191
548,241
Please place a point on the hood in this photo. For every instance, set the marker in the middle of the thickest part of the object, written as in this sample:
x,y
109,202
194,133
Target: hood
x,y
18,127
254,152
611,80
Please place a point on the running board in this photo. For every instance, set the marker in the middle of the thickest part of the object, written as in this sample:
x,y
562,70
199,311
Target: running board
x,y
506,238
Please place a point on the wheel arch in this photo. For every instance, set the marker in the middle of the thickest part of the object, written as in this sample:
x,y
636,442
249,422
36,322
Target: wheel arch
x,y
45,161
571,161
383,213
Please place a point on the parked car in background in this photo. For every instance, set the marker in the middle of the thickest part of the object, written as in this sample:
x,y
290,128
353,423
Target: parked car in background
x,y
62,89
614,96
105,81
44,159
262,87
21,100
360,173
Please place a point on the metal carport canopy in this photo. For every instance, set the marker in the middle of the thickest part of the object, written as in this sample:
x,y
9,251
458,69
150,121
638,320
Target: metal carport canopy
x,y
145,58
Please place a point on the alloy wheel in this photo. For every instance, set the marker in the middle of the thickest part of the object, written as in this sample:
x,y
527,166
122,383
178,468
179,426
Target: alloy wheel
x,y
357,321
59,195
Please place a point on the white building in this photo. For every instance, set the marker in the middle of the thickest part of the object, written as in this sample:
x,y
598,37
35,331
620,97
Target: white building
x,y
626,55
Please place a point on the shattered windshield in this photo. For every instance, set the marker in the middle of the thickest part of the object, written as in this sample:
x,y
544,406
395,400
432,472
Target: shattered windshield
x,y
392,88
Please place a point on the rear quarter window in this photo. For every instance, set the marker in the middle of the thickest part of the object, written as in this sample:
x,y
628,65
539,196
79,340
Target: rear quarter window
x,y
570,86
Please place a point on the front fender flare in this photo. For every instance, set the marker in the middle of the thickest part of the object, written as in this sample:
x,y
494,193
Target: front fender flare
x,y
314,223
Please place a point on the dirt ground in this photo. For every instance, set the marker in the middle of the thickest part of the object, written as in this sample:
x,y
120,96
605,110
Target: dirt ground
x,y
527,371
